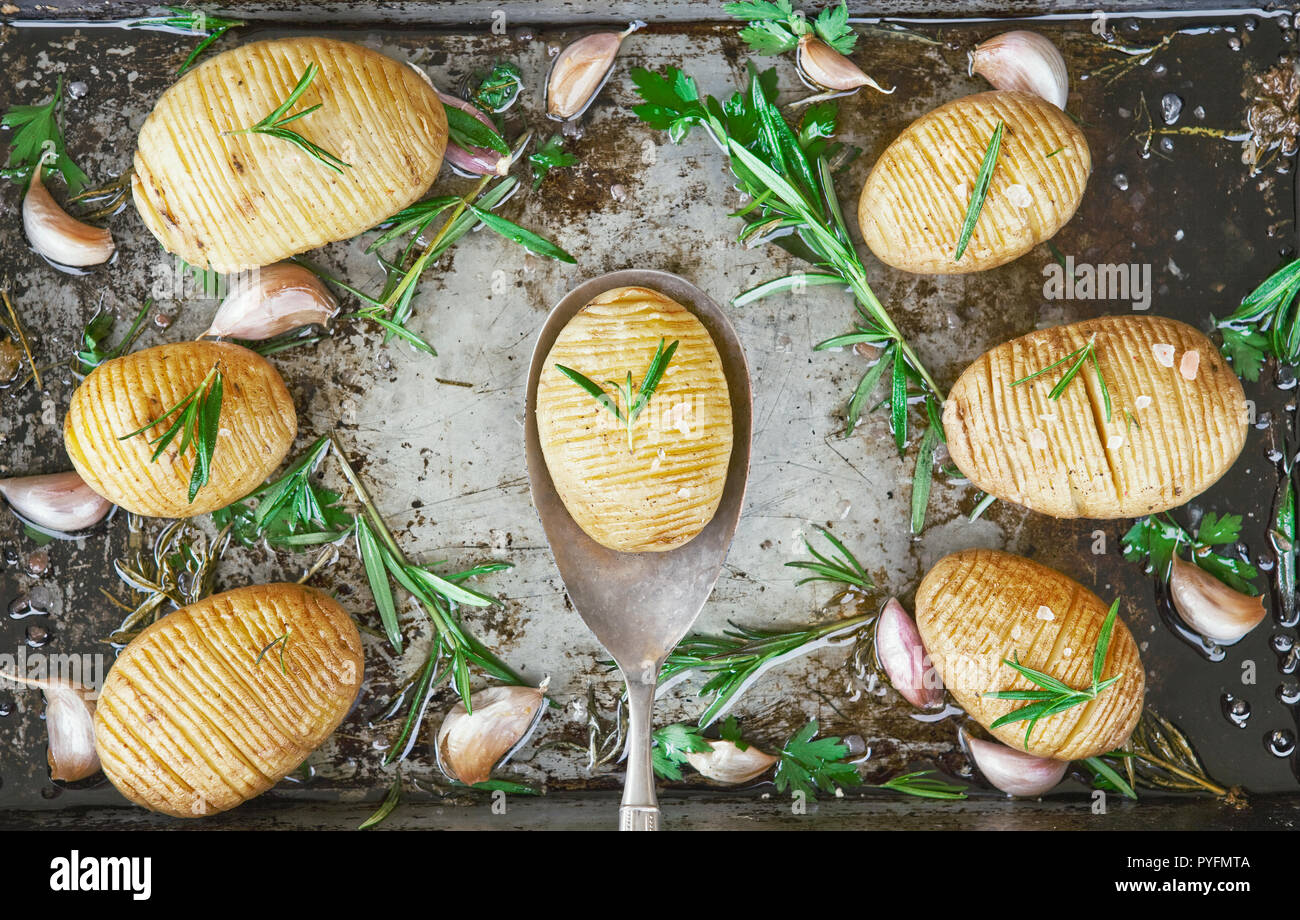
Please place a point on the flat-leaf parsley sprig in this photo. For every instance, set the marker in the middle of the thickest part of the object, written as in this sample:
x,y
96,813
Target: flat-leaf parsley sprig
x,y
633,403
1267,324
273,125
1055,696
1156,538
197,420
788,178
38,139
775,26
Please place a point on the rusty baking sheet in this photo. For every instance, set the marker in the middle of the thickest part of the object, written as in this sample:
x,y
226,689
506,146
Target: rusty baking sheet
x,y
442,439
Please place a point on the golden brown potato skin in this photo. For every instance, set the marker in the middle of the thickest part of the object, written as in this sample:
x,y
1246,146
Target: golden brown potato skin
x,y
258,424
233,202
1052,456
189,723
667,489
978,607
914,202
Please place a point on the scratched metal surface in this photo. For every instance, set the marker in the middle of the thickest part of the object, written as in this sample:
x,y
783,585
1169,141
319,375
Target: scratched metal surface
x,y
441,439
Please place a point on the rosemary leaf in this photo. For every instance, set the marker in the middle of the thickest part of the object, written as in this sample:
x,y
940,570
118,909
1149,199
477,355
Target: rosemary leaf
x,y
390,802
922,784
521,235
980,191
372,557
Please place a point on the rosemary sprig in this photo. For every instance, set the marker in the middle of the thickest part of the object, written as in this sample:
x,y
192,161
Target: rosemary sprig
x,y
1076,360
1267,324
923,784
981,190
93,350
20,333
438,595
740,656
793,203
195,21
38,139
1055,696
775,26
1158,755
196,418
633,403
392,798
844,568
273,125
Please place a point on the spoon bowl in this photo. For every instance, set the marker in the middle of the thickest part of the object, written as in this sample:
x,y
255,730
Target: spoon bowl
x,y
640,605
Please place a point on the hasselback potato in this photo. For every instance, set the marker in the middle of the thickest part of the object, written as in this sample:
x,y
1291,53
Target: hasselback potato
x,y
915,199
978,607
1178,419
662,490
257,426
190,722
235,201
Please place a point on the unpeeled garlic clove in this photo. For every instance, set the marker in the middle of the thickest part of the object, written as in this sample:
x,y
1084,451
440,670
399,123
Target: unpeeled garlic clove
x,y
270,301
474,161
57,501
726,763
70,724
1209,606
57,235
1023,61
901,655
1016,772
580,70
826,69
471,744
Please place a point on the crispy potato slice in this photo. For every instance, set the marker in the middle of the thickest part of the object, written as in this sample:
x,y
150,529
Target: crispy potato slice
x,y
257,427
191,723
662,492
1178,419
233,202
914,201
978,607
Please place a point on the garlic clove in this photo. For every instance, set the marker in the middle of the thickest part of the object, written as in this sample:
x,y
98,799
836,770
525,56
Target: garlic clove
x,y
270,301
826,69
1016,772
1209,606
726,763
70,723
474,161
59,501
580,70
901,655
470,745
57,235
1023,61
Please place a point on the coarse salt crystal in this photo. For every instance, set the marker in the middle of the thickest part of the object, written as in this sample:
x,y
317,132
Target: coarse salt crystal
x,y
1067,651
1142,402
1164,354
1038,439
1045,613
1190,365
1019,196
1114,442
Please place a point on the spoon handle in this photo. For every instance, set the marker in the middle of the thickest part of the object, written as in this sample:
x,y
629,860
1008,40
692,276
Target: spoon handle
x,y
640,809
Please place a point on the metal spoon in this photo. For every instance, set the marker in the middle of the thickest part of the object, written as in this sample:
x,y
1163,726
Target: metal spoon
x,y
640,605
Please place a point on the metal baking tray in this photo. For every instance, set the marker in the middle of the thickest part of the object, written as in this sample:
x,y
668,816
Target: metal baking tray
x,y
441,438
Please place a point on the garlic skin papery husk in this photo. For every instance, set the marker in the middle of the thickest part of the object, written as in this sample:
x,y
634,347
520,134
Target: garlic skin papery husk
x,y
60,502
1023,61
70,724
474,161
824,68
57,235
580,70
1209,606
901,656
1016,772
725,762
271,301
470,745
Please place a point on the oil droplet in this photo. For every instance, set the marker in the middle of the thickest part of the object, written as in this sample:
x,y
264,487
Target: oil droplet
x,y
1236,711
1288,692
1280,742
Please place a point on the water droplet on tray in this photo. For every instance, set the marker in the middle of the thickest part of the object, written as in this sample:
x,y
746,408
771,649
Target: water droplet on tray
x,y
1236,711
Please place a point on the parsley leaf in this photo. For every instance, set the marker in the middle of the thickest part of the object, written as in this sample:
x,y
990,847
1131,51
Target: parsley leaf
x,y
671,744
832,27
1156,538
809,764
1266,324
36,135
550,155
